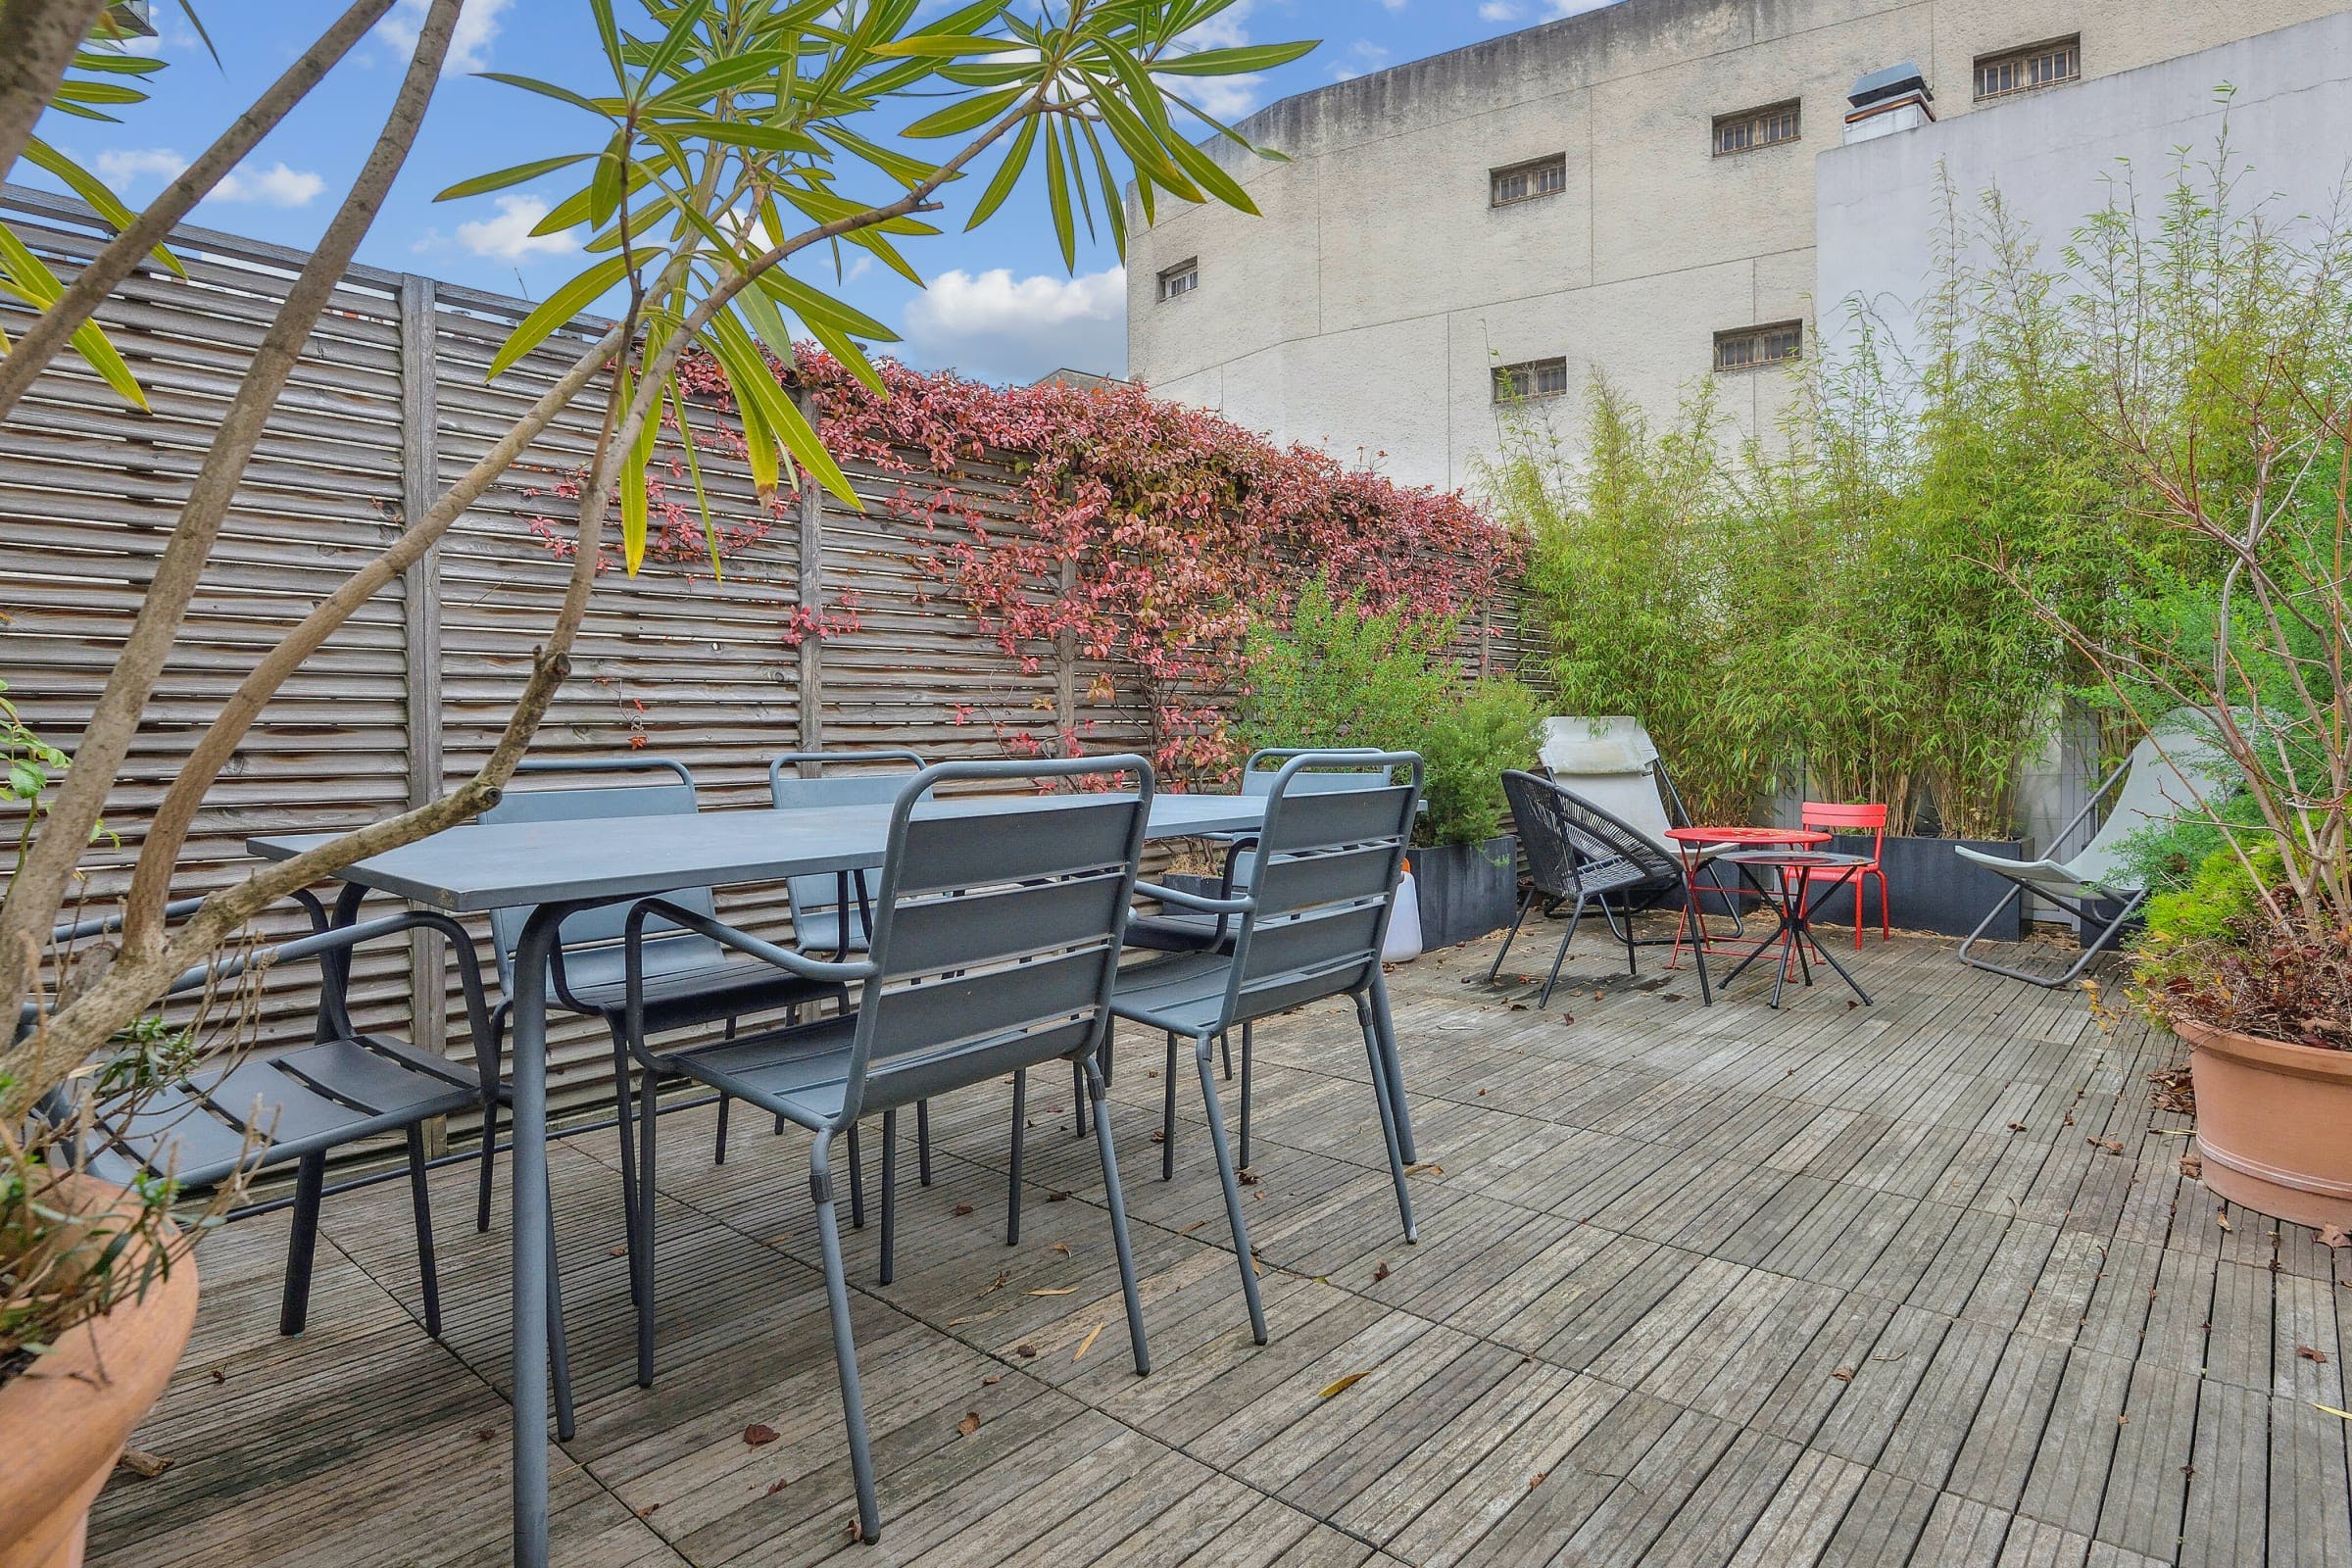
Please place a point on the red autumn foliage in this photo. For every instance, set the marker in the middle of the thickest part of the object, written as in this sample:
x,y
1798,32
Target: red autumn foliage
x,y
1173,527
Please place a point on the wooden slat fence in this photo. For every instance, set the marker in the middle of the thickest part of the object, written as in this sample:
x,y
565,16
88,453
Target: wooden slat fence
x,y
388,405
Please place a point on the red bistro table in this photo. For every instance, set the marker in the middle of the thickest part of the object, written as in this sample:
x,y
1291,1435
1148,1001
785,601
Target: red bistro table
x,y
1792,884
1691,845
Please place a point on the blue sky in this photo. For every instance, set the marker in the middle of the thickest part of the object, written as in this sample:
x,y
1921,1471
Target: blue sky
x,y
1001,304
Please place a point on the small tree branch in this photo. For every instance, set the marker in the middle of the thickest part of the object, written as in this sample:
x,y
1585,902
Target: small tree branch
x,y
168,830
55,327
39,883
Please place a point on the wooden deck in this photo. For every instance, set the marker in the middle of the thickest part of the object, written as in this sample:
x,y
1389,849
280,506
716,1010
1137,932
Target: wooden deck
x,y
1917,1282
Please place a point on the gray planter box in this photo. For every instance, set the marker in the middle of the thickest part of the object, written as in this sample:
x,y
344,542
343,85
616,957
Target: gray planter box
x,y
1466,890
1931,888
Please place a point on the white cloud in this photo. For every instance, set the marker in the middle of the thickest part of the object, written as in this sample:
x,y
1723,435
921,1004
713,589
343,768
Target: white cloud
x,y
125,166
1552,11
277,185
509,237
274,186
995,327
1361,57
1225,98
1224,31
468,47
1501,11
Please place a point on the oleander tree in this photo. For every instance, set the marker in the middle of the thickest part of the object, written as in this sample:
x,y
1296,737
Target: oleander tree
x,y
732,146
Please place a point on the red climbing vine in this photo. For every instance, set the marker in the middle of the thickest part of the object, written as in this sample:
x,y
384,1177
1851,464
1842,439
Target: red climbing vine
x,y
1148,534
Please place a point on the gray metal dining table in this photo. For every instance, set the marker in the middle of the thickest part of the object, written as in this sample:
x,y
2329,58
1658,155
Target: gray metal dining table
x,y
564,867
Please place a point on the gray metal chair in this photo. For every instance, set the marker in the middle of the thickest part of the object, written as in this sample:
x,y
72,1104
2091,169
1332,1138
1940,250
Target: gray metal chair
x,y
995,943
343,1088
835,912
1310,926
1578,852
689,980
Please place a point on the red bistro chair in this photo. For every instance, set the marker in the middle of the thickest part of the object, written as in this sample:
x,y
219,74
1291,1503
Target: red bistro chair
x,y
1871,820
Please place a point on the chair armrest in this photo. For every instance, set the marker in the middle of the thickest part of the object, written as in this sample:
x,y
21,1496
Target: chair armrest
x,y
726,936
1194,901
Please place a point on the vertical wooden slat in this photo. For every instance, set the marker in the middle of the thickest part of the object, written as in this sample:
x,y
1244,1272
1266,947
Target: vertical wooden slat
x,y
811,589
420,626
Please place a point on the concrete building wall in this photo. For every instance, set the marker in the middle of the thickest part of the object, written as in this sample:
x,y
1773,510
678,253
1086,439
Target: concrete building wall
x,y
2058,157
1364,311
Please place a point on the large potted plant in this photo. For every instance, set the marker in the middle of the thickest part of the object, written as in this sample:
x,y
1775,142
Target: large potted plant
x,y
97,1296
1466,874
2262,999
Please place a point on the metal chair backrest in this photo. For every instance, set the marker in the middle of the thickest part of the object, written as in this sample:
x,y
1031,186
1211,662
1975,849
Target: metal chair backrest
x,y
816,899
591,939
996,936
1329,862
1574,847
1835,817
1265,765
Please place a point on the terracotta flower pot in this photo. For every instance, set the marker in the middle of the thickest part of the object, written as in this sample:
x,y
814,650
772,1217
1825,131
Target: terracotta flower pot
x,y
2274,1124
68,1414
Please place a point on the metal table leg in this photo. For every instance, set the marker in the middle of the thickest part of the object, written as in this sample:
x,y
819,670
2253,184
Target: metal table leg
x,y
532,1241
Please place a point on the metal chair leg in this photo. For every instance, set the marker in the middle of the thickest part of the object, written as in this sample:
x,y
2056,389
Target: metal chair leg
x,y
301,1251
857,1181
1012,1184
481,1199
1245,1053
845,1349
1167,1115
1631,966
1078,1124
1117,1202
1369,1022
489,1162
1557,959
625,1076
559,1345
1225,1044
890,1184
718,1150
1525,904
1392,1060
922,1141
648,1115
421,1203
1233,1191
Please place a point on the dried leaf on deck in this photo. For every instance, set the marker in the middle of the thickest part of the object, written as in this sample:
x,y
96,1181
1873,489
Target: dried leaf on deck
x,y
970,1424
1381,1271
146,1466
2310,1353
1343,1384
1844,1374
963,1210
2192,1167
1058,1290
1087,1345
2335,1236
759,1435
777,1486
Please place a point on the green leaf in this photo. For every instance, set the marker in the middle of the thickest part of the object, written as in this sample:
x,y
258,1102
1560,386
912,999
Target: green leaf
x,y
1057,198
1007,174
556,310
1226,62
483,184
964,116
944,46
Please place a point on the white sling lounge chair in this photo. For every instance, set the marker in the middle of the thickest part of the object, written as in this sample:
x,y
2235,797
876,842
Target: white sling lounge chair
x,y
2177,769
1612,763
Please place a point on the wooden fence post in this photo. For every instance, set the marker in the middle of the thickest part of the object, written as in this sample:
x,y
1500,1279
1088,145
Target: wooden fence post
x,y
420,607
812,591
1065,665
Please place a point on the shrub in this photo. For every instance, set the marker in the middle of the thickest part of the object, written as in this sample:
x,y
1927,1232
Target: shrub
x,y
1340,673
